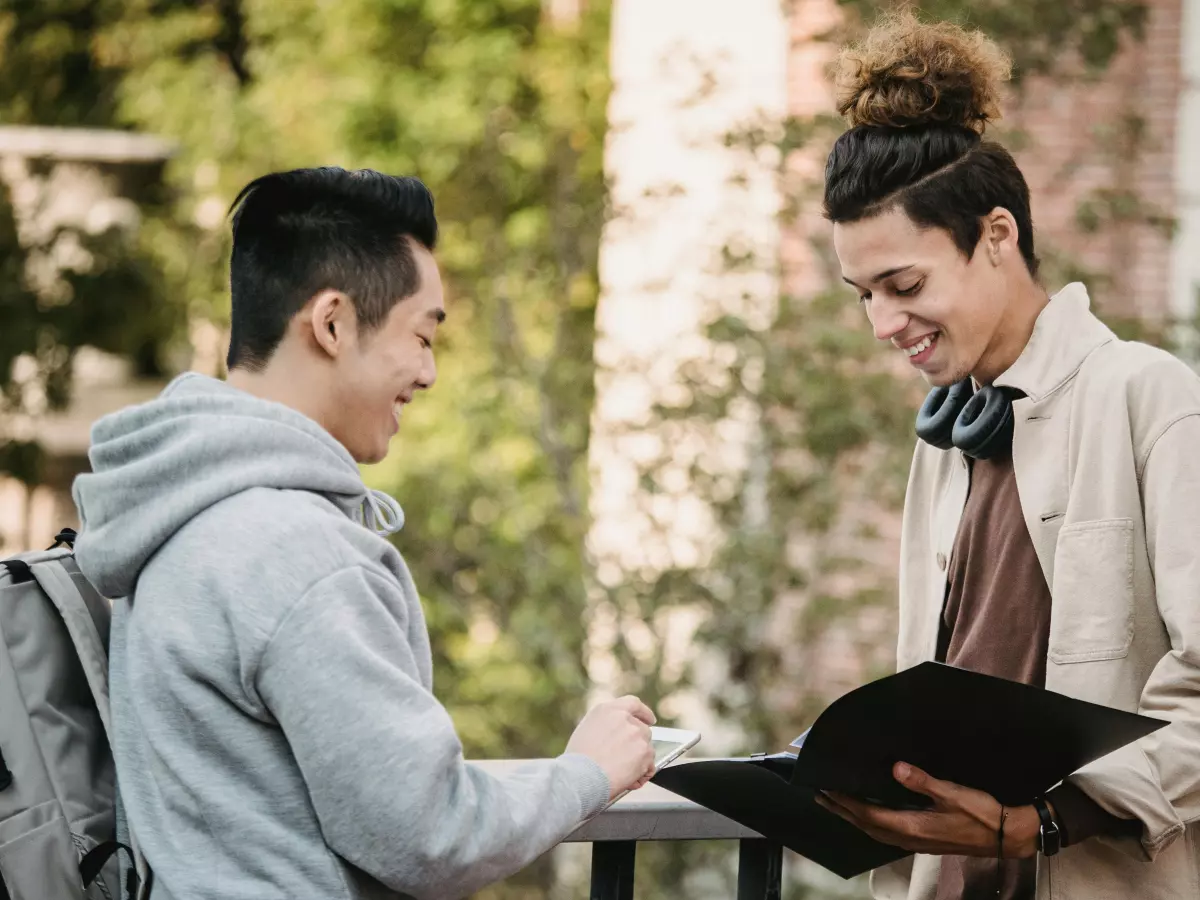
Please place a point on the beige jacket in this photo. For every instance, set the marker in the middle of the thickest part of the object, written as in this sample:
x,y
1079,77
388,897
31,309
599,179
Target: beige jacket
x,y
1107,457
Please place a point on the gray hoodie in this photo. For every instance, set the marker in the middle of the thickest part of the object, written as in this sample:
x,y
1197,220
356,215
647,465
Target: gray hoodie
x,y
275,731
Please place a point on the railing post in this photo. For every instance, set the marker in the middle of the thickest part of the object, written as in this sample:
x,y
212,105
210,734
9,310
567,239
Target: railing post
x,y
760,870
612,870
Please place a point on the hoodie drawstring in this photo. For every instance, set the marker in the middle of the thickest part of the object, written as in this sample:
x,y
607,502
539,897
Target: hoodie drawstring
x,y
381,513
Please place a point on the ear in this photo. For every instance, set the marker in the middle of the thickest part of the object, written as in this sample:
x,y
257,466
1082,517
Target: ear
x,y
333,322
1000,234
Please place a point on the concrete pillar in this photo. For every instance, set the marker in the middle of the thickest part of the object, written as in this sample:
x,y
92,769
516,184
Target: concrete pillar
x,y
685,74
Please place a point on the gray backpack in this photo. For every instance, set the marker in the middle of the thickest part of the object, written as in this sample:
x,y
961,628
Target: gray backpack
x,y
59,809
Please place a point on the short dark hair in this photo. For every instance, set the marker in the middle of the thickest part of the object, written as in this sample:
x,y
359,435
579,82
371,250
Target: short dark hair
x,y
918,97
299,232
942,176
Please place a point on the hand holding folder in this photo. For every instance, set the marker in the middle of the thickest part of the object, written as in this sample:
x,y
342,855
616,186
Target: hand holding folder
x,y
1011,740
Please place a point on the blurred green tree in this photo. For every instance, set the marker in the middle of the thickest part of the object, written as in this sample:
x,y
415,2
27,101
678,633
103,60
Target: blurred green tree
x,y
106,292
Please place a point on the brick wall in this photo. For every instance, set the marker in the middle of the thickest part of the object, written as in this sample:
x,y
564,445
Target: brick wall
x,y
1078,147
1073,138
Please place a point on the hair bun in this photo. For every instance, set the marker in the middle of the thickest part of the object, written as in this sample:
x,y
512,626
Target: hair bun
x,y
906,72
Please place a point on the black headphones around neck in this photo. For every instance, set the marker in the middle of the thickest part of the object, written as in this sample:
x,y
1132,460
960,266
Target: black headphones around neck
x,y
979,423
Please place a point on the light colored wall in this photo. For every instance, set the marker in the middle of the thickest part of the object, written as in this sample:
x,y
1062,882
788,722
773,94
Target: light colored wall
x,y
685,73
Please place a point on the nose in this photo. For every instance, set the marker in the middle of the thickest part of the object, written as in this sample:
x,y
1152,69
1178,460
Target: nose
x,y
428,374
887,318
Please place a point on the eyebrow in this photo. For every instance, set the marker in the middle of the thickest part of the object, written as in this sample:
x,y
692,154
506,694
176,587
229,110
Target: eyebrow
x,y
886,273
438,315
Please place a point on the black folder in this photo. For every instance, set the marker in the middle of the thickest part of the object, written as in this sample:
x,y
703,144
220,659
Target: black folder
x,y
1012,740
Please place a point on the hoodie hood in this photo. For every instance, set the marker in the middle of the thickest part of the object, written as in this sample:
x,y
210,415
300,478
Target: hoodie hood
x,y
158,465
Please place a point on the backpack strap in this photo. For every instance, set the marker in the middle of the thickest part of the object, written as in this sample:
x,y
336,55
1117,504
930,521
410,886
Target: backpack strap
x,y
56,582
94,860
89,634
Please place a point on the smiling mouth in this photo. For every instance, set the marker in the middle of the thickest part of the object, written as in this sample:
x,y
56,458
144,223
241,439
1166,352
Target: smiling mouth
x,y
922,349
398,408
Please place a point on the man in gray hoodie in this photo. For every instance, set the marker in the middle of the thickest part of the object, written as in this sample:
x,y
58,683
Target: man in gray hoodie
x,y
276,735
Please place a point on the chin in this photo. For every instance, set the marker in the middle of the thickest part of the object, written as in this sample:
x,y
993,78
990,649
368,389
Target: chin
x,y
368,454
945,375
940,379
373,457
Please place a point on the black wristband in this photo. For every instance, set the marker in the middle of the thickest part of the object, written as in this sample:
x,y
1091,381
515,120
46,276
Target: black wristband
x,y
1049,839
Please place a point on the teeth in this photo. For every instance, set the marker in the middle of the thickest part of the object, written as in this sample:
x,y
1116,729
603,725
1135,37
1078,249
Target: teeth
x,y
920,346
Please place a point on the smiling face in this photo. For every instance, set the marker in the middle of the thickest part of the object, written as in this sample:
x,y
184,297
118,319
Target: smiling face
x,y
377,372
945,312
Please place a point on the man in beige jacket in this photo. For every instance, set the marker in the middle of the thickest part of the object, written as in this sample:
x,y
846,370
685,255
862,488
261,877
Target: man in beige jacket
x,y
1051,529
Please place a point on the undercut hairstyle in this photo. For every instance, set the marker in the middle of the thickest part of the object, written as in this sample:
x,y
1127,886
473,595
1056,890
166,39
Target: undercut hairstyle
x,y
300,232
918,98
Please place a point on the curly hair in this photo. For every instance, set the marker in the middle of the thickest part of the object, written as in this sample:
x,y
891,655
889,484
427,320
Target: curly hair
x,y
907,73
917,97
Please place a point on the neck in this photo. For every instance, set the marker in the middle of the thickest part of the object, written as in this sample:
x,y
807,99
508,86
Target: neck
x,y
291,385
1013,333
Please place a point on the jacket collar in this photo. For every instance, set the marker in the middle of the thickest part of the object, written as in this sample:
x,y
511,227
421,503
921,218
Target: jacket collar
x,y
1065,333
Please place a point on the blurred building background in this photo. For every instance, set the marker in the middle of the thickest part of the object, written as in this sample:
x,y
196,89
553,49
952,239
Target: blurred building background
x,y
66,184
663,455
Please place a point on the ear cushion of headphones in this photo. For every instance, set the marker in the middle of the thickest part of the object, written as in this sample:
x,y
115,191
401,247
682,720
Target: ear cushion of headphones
x,y
939,412
984,428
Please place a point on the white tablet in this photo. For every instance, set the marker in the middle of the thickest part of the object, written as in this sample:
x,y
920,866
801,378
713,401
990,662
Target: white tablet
x,y
671,743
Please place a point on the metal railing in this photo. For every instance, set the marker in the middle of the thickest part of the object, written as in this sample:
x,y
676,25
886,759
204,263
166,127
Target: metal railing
x,y
655,814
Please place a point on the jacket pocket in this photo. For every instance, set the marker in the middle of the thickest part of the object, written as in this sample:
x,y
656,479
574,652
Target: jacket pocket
x,y
1092,607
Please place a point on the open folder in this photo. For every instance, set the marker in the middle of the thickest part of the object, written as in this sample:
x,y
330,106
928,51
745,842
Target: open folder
x,y
1011,740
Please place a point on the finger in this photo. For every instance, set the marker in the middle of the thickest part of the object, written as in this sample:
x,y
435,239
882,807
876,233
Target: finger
x,y
896,822
648,759
850,804
645,777
643,713
828,803
922,782
636,708
869,827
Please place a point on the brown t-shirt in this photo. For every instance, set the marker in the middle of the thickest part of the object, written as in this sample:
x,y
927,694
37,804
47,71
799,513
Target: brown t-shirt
x,y
996,620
